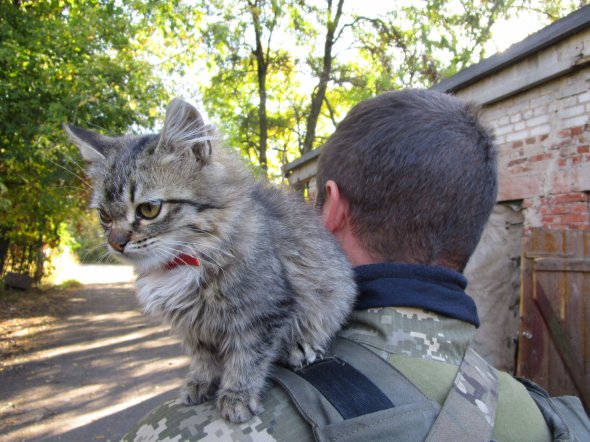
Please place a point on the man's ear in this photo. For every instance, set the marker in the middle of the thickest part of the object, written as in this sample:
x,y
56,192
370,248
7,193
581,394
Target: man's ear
x,y
184,128
335,209
93,146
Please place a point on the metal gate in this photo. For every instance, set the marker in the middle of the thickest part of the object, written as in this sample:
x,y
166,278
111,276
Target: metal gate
x,y
554,340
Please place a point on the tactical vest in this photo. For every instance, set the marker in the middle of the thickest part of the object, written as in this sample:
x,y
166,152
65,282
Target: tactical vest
x,y
355,395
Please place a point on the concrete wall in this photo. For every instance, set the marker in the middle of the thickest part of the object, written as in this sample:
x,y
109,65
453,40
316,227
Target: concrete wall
x,y
493,273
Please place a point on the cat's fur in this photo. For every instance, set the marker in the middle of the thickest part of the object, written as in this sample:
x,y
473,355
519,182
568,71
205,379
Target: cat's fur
x,y
272,284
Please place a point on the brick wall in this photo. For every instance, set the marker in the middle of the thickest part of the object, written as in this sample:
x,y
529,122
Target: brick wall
x,y
544,151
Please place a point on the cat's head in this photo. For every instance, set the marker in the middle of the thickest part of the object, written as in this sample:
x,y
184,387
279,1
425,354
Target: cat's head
x,y
160,196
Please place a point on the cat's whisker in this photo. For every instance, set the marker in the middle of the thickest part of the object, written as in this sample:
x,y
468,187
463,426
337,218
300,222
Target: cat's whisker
x,y
93,248
211,260
207,258
73,173
197,248
164,253
73,161
86,252
203,232
106,258
201,252
167,253
159,254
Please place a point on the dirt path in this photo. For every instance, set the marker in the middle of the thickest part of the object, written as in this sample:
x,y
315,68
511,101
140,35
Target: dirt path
x,y
99,369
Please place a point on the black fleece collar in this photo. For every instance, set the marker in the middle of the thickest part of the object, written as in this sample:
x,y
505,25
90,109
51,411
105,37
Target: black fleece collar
x,y
431,288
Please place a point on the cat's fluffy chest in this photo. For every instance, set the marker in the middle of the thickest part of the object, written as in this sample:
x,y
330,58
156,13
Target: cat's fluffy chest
x,y
182,299
161,291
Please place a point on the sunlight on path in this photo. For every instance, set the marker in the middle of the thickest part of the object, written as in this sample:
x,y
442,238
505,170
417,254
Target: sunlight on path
x,y
101,368
97,274
66,268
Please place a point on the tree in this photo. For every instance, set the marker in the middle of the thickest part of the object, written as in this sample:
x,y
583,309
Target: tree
x,y
63,61
307,62
334,14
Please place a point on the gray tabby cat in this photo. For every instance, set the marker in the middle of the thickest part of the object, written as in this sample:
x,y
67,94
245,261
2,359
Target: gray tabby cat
x,y
244,273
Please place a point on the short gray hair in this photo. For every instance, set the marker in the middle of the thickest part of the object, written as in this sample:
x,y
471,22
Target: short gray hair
x,y
418,169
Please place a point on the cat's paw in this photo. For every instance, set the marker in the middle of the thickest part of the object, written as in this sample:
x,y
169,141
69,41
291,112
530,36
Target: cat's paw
x,y
238,406
303,354
195,393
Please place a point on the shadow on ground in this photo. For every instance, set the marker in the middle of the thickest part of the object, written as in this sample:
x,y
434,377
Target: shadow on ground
x,y
100,369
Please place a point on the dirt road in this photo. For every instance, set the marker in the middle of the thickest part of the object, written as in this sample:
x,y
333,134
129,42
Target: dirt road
x,y
100,369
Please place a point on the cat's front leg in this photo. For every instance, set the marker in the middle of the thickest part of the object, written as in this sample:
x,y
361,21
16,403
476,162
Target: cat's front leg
x,y
202,380
244,377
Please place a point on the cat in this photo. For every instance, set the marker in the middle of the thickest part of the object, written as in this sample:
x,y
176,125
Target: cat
x,y
242,271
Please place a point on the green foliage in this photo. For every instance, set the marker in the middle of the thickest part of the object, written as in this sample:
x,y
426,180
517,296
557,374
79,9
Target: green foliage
x,y
308,45
62,61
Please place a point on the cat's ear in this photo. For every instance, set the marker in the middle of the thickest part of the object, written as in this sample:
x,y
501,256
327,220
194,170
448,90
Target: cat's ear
x,y
184,128
93,146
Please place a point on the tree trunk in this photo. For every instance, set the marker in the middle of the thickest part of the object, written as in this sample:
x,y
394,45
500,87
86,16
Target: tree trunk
x,y
319,93
40,260
4,246
262,70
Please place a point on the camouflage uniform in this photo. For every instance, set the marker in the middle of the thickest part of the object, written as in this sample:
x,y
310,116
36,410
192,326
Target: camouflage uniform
x,y
426,347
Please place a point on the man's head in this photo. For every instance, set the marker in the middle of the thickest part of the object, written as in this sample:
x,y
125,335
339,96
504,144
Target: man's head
x,y
416,172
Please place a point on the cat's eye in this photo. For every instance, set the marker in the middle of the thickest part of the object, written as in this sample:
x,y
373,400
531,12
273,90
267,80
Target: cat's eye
x,y
149,210
104,217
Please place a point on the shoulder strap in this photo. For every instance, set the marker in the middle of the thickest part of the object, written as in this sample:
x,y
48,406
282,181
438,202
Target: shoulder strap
x,y
328,396
469,410
354,394
565,415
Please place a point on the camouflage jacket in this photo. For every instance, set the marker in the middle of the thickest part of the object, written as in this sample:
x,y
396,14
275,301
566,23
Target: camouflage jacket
x,y
426,347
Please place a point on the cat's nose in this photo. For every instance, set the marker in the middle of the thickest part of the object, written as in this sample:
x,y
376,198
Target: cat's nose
x,y
119,239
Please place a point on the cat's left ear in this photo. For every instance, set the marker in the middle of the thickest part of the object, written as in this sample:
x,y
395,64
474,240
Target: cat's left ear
x,y
93,146
184,128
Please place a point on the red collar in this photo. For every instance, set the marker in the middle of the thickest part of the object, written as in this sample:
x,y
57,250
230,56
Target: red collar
x,y
183,260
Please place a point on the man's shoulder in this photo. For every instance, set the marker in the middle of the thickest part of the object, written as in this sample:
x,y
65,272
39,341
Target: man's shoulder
x,y
424,347
517,412
278,421
517,416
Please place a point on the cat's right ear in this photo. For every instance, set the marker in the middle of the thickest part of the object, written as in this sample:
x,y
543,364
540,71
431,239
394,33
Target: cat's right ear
x,y
185,130
93,146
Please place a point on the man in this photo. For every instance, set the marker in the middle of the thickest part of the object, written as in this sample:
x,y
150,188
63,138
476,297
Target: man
x,y
406,184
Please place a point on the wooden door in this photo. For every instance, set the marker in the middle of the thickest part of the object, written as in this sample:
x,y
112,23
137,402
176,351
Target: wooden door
x,y
554,340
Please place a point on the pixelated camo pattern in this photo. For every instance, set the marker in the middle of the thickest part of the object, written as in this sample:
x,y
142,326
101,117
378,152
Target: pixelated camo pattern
x,y
410,332
386,331
476,382
469,411
175,422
